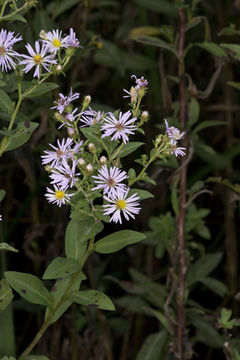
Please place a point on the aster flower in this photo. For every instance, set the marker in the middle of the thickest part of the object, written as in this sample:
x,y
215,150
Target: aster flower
x,y
58,196
69,118
64,101
37,58
54,41
71,40
119,128
63,175
0,217
110,180
7,40
173,133
75,150
177,150
134,91
141,82
121,203
61,152
91,117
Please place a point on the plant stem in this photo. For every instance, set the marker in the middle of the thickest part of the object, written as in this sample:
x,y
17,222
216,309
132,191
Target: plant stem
x,y
47,321
183,190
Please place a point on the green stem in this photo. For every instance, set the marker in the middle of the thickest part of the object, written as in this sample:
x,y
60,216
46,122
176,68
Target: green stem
x,y
2,9
47,321
117,151
3,18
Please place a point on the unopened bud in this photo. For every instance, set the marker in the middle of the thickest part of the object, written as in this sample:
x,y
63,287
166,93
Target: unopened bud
x,y
58,117
48,168
145,115
81,162
31,2
89,168
70,132
43,35
58,68
103,160
86,101
91,147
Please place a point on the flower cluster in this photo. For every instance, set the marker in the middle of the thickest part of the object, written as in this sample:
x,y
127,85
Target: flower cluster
x,y
42,57
174,134
137,92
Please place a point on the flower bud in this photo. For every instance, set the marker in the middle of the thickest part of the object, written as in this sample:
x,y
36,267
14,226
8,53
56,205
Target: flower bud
x,y
91,147
43,35
48,168
89,168
103,160
58,117
81,162
70,132
86,101
145,115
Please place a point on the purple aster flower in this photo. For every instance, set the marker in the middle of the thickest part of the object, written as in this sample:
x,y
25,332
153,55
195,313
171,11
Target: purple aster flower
x,y
7,40
173,133
61,152
58,196
64,175
141,82
71,40
121,203
119,128
91,117
37,58
54,41
110,180
177,150
69,118
75,150
64,101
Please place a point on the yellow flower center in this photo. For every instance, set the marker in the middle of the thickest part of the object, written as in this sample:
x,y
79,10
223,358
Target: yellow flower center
x,y
60,194
2,50
121,204
38,59
56,43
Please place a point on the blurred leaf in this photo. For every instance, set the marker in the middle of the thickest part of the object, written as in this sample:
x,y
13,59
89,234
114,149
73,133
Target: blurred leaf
x,y
5,246
16,17
29,287
207,124
92,297
117,241
224,320
2,194
161,6
229,31
202,267
207,334
6,294
21,135
212,48
61,267
232,49
63,6
6,103
153,41
165,31
153,346
194,22
7,333
133,304
194,111
215,285
42,89
161,318
234,84
35,357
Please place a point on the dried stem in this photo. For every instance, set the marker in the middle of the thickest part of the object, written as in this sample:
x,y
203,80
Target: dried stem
x,y
183,190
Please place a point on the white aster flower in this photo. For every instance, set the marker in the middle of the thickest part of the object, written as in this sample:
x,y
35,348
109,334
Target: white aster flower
x,y
61,152
120,203
0,217
64,101
54,41
177,150
110,180
173,133
58,196
119,128
91,117
64,175
69,118
37,58
75,150
71,40
7,40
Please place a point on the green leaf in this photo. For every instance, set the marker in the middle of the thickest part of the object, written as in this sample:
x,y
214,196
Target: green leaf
x,y
232,49
6,103
64,6
163,6
77,234
207,334
203,267
35,357
29,287
153,347
5,246
127,149
92,297
215,285
42,89
234,84
117,241
8,358
6,294
16,17
93,137
194,110
21,135
143,194
212,48
2,194
61,267
153,41
207,124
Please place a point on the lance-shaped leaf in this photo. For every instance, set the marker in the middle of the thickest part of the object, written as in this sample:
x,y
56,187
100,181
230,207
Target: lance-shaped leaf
x,y
154,41
6,103
117,241
41,89
21,135
126,149
29,287
35,357
2,194
212,48
153,347
92,297
77,234
6,294
143,194
5,246
61,267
